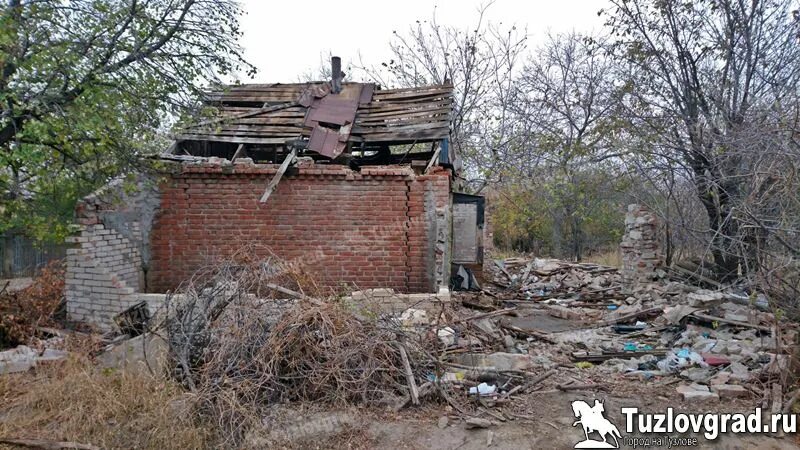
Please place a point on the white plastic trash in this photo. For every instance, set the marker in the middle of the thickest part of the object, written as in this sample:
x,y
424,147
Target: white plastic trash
x,y
483,389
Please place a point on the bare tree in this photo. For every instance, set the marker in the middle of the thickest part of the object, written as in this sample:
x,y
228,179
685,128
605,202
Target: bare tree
x,y
715,81
566,100
481,63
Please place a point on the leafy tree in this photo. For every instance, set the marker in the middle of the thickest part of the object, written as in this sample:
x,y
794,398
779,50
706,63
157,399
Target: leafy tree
x,y
89,86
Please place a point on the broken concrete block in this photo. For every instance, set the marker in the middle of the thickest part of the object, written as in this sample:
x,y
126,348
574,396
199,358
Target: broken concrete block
x,y
730,391
704,299
675,314
477,422
736,317
720,378
739,371
733,348
697,374
51,354
699,387
131,354
16,366
700,396
19,359
697,393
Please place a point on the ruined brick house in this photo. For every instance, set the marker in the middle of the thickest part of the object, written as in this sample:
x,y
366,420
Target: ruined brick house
x,y
354,181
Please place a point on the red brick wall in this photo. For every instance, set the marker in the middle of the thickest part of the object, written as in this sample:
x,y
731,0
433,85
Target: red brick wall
x,y
366,229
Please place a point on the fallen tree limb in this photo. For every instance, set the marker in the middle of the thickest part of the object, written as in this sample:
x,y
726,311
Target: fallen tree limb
x,y
412,383
424,389
524,387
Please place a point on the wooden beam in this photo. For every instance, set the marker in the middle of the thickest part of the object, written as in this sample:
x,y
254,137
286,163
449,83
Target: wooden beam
x,y
434,158
239,152
172,147
252,112
277,178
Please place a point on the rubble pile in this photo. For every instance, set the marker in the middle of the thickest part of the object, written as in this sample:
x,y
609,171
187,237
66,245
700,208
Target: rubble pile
x,y
37,305
714,344
247,336
550,278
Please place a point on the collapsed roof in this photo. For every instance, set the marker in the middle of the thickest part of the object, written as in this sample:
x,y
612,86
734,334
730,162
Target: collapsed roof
x,y
322,119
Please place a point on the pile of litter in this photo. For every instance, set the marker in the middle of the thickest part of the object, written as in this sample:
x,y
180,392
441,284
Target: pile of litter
x,y
716,344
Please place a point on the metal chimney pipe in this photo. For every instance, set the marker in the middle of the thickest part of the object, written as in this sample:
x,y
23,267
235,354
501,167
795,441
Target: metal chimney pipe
x,y
336,74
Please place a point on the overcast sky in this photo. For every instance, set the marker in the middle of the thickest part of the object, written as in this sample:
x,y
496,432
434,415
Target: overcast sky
x,y
285,39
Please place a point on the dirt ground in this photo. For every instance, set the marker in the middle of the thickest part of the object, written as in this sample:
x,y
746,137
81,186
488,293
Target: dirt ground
x,y
548,425
116,410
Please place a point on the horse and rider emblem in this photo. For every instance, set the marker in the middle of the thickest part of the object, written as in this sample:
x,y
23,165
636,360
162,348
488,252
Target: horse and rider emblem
x,y
592,420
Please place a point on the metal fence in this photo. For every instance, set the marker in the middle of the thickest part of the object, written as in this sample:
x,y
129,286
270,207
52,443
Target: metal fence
x,y
22,257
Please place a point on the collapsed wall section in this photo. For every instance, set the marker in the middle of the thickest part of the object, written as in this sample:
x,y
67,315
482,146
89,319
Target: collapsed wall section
x,y
107,263
641,257
373,228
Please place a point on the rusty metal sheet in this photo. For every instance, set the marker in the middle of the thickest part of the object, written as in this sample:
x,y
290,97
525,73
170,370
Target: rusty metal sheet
x,y
334,110
324,141
312,92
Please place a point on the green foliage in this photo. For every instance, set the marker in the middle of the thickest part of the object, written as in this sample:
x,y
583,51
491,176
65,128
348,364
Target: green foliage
x,y
558,217
87,87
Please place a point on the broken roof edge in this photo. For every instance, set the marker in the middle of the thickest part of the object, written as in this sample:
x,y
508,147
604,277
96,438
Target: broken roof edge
x,y
271,114
189,165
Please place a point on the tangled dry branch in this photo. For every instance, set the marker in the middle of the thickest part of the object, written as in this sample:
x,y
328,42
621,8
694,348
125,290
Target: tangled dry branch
x,y
240,349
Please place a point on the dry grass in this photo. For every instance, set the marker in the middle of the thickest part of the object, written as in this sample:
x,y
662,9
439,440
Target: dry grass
x,y
75,401
612,258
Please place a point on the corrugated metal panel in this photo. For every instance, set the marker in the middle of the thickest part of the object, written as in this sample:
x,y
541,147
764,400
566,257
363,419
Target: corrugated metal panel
x,y
21,257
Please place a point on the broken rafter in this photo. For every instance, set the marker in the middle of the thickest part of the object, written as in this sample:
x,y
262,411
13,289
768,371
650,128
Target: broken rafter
x,y
277,178
239,152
